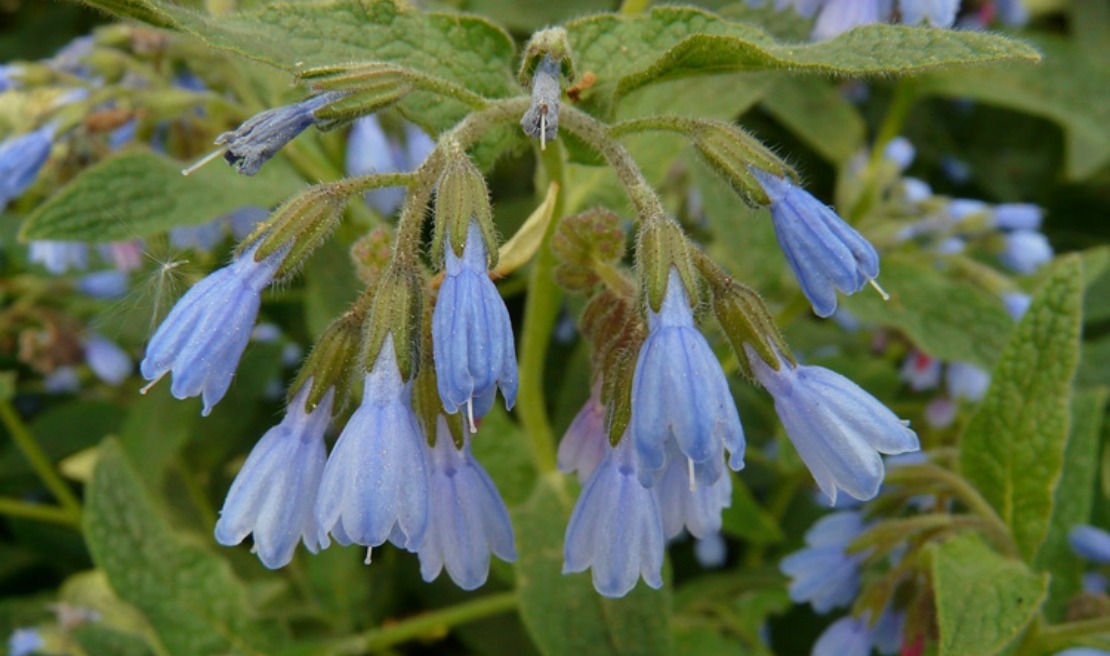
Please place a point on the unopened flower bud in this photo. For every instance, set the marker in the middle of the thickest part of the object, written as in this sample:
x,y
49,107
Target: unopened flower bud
x,y
332,364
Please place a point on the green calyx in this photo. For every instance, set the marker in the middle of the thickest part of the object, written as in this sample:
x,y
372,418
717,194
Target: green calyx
x,y
551,42
395,309
331,362
462,197
661,247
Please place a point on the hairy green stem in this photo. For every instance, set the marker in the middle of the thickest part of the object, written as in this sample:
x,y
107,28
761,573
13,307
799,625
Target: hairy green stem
x,y
433,623
39,512
40,462
541,311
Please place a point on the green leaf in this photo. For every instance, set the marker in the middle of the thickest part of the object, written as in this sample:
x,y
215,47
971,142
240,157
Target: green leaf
x,y
1069,88
189,596
984,601
563,613
1013,448
139,193
1073,500
817,113
746,519
467,50
156,429
504,452
947,318
628,52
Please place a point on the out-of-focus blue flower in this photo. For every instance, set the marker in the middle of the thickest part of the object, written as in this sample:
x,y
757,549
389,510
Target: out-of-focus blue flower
x,y
1091,543
370,151
920,371
63,380
467,519
125,255
1095,583
203,337
680,394
806,8
684,504
900,152
887,634
21,159
1083,651
711,551
951,246
418,145
57,257
848,636
375,485
824,573
838,429
962,208
123,135
1017,303
940,412
1018,216
955,169
1026,251
839,16
274,495
8,73
24,642
915,190
938,13
966,381
1012,12
104,284
586,440
244,220
615,529
69,59
107,360
260,137
203,237
472,335
825,253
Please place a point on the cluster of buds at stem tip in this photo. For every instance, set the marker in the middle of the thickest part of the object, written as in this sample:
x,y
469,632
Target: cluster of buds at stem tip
x,y
546,60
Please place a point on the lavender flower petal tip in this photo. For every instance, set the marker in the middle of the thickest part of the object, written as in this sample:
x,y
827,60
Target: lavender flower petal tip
x,y
824,574
586,440
467,519
274,494
615,529
825,253
684,504
375,485
838,429
202,339
472,335
679,392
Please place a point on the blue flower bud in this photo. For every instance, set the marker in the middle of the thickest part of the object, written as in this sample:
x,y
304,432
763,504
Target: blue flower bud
x,y
203,337
24,642
615,529
375,485
467,519
1017,303
900,152
824,573
1091,543
838,429
21,159
1011,12
711,552
966,381
370,151
1026,251
680,393
1018,216
472,335
825,253
57,257
104,284
253,143
107,360
920,371
273,496
848,636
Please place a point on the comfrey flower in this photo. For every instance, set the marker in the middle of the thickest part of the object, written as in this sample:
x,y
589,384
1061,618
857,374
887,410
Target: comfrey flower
x,y
542,118
1025,251
711,552
274,495
1017,304
920,371
24,642
848,636
21,159
203,337
375,485
1091,543
253,143
838,429
838,16
109,284
1018,216
683,504
586,440
472,336
825,253
824,573
369,150
466,517
680,393
57,257
966,381
938,13
615,529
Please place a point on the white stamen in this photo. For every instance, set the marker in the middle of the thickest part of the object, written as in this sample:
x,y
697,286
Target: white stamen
x,y
202,161
369,556
470,415
146,388
882,292
543,129
690,470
